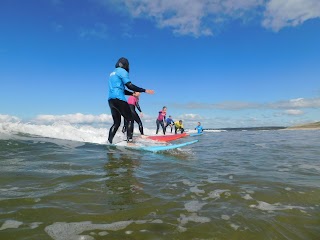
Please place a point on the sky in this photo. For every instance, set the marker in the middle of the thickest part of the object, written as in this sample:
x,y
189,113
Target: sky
x,y
226,63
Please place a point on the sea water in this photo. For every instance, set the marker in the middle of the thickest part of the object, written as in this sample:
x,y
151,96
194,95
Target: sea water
x,y
66,185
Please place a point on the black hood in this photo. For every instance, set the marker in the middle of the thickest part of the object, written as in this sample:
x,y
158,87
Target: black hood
x,y
123,63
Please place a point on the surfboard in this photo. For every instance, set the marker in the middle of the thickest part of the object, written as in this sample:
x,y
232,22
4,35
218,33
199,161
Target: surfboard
x,y
195,134
166,138
154,148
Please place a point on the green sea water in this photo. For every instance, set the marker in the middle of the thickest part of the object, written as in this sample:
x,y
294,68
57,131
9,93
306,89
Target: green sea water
x,y
229,185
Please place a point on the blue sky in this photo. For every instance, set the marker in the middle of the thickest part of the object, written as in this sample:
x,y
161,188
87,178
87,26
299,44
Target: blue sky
x,y
225,63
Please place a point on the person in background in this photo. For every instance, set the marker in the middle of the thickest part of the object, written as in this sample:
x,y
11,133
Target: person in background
x,y
178,126
199,128
118,81
133,102
169,122
161,119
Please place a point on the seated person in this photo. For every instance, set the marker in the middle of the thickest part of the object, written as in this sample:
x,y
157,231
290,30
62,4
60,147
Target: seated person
x,y
199,128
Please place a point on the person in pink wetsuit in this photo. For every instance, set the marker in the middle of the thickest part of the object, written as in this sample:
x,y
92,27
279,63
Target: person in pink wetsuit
x,y
161,120
133,102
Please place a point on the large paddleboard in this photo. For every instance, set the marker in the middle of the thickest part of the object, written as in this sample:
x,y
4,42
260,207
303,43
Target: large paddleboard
x,y
154,148
195,134
166,138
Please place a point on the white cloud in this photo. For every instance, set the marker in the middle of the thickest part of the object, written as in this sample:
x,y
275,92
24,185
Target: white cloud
x,y
189,17
296,103
74,118
284,13
203,17
294,112
8,118
234,105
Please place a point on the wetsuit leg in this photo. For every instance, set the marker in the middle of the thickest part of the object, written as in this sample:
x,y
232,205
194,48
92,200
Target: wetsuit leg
x,y
124,128
138,120
119,108
182,130
158,125
163,128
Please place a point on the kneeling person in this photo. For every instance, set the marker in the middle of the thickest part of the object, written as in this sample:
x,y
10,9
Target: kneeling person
x,y
178,126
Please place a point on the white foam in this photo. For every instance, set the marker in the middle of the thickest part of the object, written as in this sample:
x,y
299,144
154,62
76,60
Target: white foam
x,y
196,190
225,217
193,217
188,183
10,224
212,180
193,206
73,230
273,207
212,130
234,226
61,130
247,197
216,194
309,167
35,225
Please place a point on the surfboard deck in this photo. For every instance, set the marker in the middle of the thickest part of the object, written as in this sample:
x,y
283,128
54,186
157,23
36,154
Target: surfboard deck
x,y
153,148
166,138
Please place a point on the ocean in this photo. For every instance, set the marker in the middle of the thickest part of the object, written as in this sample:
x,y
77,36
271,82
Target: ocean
x,y
61,182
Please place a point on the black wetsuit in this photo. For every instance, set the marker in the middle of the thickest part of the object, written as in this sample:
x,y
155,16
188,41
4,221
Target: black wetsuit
x,y
136,118
121,108
160,121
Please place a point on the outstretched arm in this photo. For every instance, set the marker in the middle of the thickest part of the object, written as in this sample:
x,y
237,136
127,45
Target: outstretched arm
x,y
126,92
134,87
138,89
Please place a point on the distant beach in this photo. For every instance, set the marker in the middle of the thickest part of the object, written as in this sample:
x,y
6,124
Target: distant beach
x,y
308,126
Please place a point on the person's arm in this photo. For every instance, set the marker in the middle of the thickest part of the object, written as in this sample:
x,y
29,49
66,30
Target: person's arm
x,y
138,89
138,107
126,92
134,87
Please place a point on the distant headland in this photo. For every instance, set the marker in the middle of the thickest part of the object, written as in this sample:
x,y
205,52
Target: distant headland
x,y
308,126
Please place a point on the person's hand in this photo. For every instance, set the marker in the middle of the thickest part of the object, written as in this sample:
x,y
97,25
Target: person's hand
x,y
149,91
141,114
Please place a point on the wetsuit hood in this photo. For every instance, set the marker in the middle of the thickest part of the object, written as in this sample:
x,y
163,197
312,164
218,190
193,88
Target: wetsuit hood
x,y
123,63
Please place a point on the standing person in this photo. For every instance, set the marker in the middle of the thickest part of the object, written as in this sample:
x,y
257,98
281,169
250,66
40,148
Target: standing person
x,y
118,80
199,128
133,102
161,120
178,126
169,122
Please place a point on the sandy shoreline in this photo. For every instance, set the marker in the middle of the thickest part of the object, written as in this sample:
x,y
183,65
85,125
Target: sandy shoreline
x,y
301,128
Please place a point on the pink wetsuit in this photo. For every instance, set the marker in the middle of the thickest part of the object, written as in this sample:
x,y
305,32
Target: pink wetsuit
x,y
133,100
162,115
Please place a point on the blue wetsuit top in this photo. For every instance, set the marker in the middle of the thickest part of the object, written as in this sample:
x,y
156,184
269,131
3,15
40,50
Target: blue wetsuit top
x,y
117,80
199,128
169,121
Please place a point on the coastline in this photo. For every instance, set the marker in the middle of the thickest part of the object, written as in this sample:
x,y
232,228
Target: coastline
x,y
301,128
308,126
